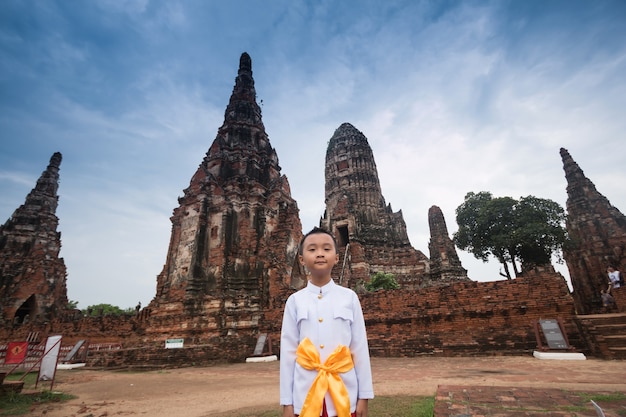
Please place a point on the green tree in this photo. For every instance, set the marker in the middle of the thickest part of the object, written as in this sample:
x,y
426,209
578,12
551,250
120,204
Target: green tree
x,y
105,310
528,231
380,280
71,305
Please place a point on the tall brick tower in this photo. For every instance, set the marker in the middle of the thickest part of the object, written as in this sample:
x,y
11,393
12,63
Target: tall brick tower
x,y
375,237
32,276
445,265
235,233
597,233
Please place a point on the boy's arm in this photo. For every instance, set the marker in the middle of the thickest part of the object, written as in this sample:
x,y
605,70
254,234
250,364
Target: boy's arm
x,y
288,411
288,346
361,407
360,352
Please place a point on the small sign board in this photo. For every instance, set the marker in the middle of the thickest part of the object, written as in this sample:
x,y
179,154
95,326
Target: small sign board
x,y
49,360
174,343
552,331
260,343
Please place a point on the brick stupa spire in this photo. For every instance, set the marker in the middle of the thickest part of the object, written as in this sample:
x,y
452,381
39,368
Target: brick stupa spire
x,y
236,230
445,265
597,234
32,276
357,214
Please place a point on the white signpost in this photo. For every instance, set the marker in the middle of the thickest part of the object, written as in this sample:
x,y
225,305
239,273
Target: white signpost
x,y
48,367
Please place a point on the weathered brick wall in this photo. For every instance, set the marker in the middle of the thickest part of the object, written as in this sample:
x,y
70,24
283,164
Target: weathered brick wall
x,y
619,294
465,318
219,350
125,329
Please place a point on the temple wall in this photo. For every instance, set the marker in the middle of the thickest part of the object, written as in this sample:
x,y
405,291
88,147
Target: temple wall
x,y
465,318
468,318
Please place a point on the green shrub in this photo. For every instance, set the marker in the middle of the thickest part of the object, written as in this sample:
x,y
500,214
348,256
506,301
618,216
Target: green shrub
x,y
381,280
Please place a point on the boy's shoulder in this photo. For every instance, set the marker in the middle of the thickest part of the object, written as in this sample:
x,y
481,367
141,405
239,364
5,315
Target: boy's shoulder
x,y
345,289
336,287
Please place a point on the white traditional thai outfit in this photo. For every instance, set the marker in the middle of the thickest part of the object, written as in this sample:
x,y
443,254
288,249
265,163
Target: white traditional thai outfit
x,y
329,316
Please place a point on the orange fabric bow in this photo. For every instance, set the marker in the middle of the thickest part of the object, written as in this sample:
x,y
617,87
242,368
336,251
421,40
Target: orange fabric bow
x,y
327,378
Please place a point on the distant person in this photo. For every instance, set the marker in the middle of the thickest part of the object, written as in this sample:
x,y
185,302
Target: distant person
x,y
615,277
324,358
607,299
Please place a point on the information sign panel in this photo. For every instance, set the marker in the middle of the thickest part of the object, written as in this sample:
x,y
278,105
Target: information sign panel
x,y
260,343
553,334
51,356
174,343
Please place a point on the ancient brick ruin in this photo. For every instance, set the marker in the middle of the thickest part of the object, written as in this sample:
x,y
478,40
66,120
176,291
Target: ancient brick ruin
x,y
32,276
372,238
231,262
597,233
234,236
445,265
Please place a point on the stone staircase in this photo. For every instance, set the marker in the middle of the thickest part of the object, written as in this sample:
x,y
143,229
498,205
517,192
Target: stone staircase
x,y
605,334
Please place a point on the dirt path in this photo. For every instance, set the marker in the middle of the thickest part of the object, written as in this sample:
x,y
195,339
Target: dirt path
x,y
202,392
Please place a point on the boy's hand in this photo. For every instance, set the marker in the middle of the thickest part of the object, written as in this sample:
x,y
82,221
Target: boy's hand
x,y
288,411
361,408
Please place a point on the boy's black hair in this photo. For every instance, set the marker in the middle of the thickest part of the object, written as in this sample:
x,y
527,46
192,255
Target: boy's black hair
x,y
314,231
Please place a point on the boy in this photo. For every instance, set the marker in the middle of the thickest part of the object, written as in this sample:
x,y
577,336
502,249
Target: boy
x,y
324,356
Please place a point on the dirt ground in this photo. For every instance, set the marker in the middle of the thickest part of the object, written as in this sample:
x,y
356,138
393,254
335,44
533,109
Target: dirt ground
x,y
209,391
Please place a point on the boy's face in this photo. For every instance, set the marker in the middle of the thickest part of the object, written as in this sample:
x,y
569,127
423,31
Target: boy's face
x,y
318,254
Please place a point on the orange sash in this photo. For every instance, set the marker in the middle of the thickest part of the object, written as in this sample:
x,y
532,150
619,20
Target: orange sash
x,y
327,378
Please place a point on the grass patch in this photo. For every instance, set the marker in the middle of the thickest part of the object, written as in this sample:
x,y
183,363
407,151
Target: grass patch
x,y
29,380
18,404
607,398
574,408
400,406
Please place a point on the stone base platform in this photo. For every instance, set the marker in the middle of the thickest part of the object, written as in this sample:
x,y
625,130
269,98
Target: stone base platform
x,y
575,356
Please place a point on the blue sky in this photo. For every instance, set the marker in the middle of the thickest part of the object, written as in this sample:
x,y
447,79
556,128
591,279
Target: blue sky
x,y
452,96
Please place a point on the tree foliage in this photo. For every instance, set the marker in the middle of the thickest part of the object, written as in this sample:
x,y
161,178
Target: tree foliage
x,y
381,280
105,310
528,231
